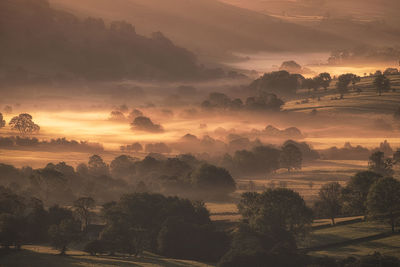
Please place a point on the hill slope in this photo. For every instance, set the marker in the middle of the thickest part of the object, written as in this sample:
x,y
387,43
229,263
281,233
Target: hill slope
x,y
39,39
209,26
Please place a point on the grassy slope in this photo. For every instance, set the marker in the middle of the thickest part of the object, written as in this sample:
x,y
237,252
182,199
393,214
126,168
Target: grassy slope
x,y
38,256
387,245
367,101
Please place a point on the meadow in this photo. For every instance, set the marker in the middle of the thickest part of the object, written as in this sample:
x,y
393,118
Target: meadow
x,y
39,256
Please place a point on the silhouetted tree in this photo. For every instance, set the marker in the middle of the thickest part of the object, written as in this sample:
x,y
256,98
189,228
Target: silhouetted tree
x,y
122,166
83,208
381,83
275,210
377,163
343,82
96,166
325,80
291,157
384,199
24,124
2,121
213,181
63,234
330,201
356,191
142,123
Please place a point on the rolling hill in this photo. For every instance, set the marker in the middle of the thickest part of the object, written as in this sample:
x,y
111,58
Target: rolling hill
x,y
210,27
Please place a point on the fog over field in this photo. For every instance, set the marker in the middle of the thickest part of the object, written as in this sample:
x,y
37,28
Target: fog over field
x,y
200,133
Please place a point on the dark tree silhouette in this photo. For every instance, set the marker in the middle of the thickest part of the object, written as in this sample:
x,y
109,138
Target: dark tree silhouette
x,y
356,191
96,166
343,83
278,210
24,124
2,121
291,157
325,79
329,201
381,83
83,208
142,123
384,199
63,234
214,181
378,164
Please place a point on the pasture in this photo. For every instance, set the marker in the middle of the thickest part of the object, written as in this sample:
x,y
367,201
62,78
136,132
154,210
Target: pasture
x,y
39,256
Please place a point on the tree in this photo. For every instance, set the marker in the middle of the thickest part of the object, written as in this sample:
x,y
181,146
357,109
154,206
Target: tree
x,y
2,121
48,180
96,166
381,83
136,147
276,210
325,79
10,230
377,163
82,207
356,191
24,124
290,157
278,82
122,167
143,123
330,200
384,199
212,181
63,234
343,82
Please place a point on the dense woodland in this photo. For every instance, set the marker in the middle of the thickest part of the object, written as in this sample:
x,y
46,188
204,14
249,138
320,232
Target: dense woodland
x,y
41,44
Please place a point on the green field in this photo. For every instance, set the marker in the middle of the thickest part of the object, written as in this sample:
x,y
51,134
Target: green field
x,y
388,246
366,101
41,256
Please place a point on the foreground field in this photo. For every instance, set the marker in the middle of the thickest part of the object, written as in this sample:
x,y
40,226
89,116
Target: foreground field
x,y
39,256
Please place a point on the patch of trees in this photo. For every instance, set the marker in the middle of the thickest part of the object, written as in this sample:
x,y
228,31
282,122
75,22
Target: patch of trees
x,y
322,80
272,221
59,144
264,101
24,220
169,226
364,53
344,81
145,124
263,159
60,183
367,193
68,47
350,152
278,82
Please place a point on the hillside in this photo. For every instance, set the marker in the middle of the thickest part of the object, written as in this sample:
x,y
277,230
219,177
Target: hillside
x,y
39,42
38,256
373,22
209,27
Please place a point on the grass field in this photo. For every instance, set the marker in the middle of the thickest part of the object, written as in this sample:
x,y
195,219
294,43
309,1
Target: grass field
x,y
366,101
41,256
343,233
388,246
